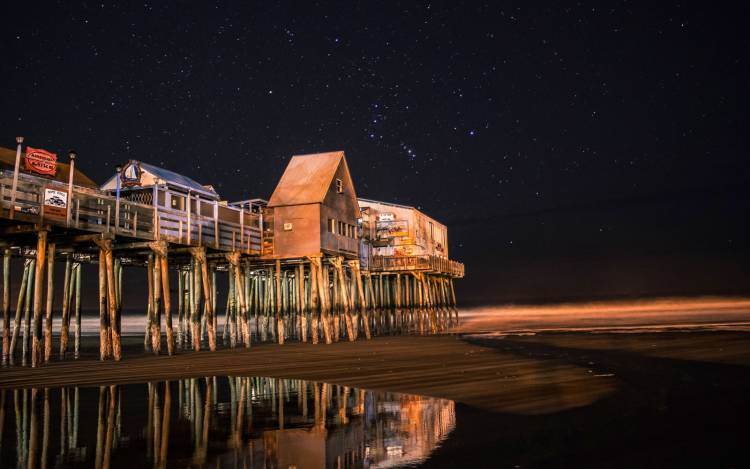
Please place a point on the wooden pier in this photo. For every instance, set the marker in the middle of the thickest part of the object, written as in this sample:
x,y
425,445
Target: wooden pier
x,y
301,266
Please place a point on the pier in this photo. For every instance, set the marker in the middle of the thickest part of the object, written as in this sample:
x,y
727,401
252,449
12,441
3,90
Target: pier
x,y
312,263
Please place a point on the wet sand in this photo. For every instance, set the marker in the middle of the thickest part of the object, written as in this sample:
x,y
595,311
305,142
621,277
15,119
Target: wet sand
x,y
438,366
680,400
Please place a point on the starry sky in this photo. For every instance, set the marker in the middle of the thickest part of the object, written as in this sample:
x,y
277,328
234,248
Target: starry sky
x,y
575,150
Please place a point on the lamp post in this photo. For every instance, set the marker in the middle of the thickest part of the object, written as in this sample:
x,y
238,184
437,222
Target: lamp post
x,y
71,172
117,196
19,141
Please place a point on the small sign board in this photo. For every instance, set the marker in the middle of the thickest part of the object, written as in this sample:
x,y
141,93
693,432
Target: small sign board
x,y
40,161
55,203
392,229
131,174
287,226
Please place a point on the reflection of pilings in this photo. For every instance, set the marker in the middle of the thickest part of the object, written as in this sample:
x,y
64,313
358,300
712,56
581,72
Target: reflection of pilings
x,y
340,413
109,435
2,418
100,428
156,422
45,429
165,423
280,390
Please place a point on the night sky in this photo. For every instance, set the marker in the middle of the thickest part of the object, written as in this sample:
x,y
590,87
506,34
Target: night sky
x,y
576,152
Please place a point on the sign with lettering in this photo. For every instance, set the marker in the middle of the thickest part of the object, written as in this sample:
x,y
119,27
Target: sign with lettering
x,y
392,229
40,161
55,203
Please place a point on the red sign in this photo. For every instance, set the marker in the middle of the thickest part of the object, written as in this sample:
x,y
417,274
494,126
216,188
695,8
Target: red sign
x,y
40,161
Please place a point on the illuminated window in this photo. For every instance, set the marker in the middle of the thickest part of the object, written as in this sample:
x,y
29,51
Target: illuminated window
x,y
332,225
339,186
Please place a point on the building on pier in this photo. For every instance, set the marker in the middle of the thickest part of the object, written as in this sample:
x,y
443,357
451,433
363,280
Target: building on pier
x,y
184,210
314,208
399,237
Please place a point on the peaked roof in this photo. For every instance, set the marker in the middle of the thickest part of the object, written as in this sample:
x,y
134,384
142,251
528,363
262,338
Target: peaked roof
x,y
307,178
151,173
8,160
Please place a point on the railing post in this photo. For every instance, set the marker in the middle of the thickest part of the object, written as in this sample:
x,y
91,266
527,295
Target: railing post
x,y
19,141
155,197
200,222
189,210
216,224
117,197
242,225
72,170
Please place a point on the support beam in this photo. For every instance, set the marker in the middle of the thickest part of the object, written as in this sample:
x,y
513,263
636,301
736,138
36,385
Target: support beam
x,y
279,320
50,300
65,316
6,304
41,251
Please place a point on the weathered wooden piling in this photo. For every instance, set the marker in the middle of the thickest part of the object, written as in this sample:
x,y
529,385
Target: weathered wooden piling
x,y
301,306
41,251
167,303
23,294
104,336
65,313
314,299
50,300
77,344
279,319
6,304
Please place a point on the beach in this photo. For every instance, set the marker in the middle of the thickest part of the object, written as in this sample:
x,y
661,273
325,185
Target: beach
x,y
640,393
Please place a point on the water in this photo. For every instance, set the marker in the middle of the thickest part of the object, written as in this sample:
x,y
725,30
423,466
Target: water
x,y
220,422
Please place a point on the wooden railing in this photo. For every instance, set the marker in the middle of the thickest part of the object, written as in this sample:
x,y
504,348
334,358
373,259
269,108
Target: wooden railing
x,y
228,229
435,264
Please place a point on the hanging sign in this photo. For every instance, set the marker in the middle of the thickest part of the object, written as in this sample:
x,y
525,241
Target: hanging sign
x,y
55,203
131,174
391,229
40,161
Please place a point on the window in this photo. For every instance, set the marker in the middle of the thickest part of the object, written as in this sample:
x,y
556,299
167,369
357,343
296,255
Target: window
x,y
332,225
339,186
342,228
177,202
432,232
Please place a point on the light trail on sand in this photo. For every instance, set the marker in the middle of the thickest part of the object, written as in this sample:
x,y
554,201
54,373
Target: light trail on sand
x,y
655,315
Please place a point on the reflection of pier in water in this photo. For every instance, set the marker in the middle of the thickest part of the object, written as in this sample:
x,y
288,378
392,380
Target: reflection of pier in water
x,y
219,422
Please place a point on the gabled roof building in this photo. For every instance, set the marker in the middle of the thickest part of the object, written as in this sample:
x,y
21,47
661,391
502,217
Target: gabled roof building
x,y
314,208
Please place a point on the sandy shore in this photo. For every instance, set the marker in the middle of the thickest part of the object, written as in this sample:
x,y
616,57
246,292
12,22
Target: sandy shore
x,y
439,366
487,371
